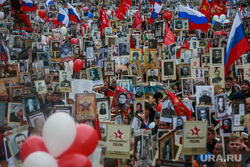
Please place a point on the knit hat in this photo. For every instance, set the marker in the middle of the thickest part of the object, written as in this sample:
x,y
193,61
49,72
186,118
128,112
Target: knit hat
x,y
246,82
238,95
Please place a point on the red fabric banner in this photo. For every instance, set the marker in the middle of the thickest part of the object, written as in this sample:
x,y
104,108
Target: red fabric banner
x,y
168,36
104,19
216,9
138,20
204,9
122,10
167,15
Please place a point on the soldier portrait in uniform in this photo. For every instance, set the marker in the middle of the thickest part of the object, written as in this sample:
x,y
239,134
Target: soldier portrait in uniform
x,y
205,98
40,87
153,75
65,78
217,77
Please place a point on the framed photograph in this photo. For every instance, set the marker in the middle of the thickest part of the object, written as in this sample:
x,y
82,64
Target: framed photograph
x,y
130,77
65,81
217,26
152,44
172,49
149,57
95,74
30,103
103,108
204,95
178,123
9,73
186,55
17,42
166,145
25,79
217,75
136,124
181,24
113,24
64,108
135,54
223,43
114,50
139,91
65,51
108,31
125,84
40,73
13,109
210,33
82,74
36,119
28,43
158,29
55,46
44,56
109,67
153,74
217,56
167,111
221,106
123,49
184,71
165,55
187,86
16,93
15,139
41,87
203,114
238,115
169,71
135,69
139,106
205,60
118,118
85,106
227,123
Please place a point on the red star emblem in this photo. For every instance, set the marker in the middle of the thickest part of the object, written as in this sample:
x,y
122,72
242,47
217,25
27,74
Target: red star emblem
x,y
85,105
195,63
118,134
195,131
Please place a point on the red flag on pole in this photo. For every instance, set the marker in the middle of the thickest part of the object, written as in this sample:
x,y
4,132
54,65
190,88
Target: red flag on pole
x,y
104,19
122,10
168,36
167,15
185,45
138,20
179,107
216,9
204,9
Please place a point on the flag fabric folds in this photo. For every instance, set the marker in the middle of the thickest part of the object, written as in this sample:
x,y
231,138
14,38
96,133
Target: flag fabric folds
x,y
197,20
184,46
29,6
122,10
167,15
73,15
4,52
204,9
237,43
63,18
49,2
138,20
216,9
168,36
104,19
157,9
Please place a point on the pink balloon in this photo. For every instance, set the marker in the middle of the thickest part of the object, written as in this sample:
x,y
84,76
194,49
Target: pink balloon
x,y
78,64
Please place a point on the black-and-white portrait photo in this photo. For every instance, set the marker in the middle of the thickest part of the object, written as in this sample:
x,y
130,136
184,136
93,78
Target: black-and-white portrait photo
x,y
215,42
217,75
167,150
217,57
108,30
138,89
125,85
40,86
94,74
103,109
221,105
138,147
25,79
122,101
152,44
186,56
205,95
65,50
167,110
31,104
65,78
14,108
123,61
135,55
153,75
23,66
109,67
43,56
168,68
17,43
114,50
178,122
17,94
172,49
158,29
187,86
205,60
123,49
210,33
227,123
40,74
203,114
185,71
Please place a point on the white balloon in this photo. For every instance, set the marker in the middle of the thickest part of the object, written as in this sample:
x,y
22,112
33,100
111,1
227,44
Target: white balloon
x,y
59,132
108,12
222,17
44,39
63,30
226,21
218,20
40,159
1,15
215,17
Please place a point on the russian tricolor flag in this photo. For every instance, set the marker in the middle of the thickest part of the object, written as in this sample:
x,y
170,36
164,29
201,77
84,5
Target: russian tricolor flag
x,y
197,20
73,16
237,43
4,52
29,6
49,2
63,18
157,9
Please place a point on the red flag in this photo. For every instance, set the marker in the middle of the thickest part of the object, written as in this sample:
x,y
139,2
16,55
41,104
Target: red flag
x,y
204,9
217,1
151,20
138,20
122,10
132,42
168,36
179,107
104,19
216,9
167,15
185,45
21,20
209,45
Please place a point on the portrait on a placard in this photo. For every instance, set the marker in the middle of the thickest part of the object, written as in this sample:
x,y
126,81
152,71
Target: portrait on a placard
x,y
167,109
153,75
132,78
227,123
138,91
203,114
139,106
30,103
40,73
85,106
215,43
158,29
16,93
113,24
239,61
123,49
187,86
108,30
205,95
221,106
65,50
178,123
136,124
149,56
138,147
205,60
166,145
37,119
135,54
43,56
223,43
186,55
123,61
13,109
76,50
169,69
133,68
109,67
118,119
210,33
181,24
25,79
122,101
17,43
217,56
152,44
185,71
64,79
95,75
114,50
165,55
125,85
103,108
41,87
172,49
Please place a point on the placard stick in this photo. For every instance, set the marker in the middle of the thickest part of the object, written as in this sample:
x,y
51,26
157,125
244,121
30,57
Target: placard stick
x,y
223,142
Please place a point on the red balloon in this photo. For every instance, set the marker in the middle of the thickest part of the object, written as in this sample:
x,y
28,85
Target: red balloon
x,y
78,64
74,41
112,11
158,109
85,141
42,14
32,144
54,21
74,160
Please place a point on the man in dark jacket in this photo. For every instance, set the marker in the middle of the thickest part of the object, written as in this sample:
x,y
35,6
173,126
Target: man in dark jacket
x,y
229,88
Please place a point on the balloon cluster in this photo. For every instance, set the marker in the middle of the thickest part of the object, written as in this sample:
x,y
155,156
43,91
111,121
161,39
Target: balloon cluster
x,y
63,144
222,19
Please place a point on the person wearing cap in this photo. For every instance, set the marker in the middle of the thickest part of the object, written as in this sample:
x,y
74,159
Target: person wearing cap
x,y
229,89
245,88
150,112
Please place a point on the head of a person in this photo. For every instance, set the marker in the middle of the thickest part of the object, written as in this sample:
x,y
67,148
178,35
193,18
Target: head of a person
x,y
30,102
15,109
162,125
106,86
248,104
179,121
19,139
103,106
203,113
217,73
25,78
122,98
17,92
185,70
152,72
204,93
135,55
244,85
38,123
194,45
48,79
210,135
56,97
109,66
216,51
64,75
235,81
234,144
217,149
49,96
126,119
138,107
228,82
